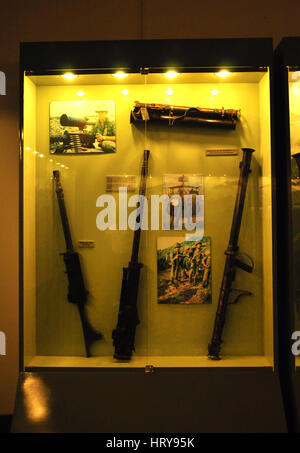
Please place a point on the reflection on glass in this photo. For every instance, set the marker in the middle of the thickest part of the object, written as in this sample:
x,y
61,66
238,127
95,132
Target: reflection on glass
x,y
36,397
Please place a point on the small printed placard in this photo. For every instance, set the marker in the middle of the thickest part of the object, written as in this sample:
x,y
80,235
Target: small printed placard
x,y
115,182
221,152
86,244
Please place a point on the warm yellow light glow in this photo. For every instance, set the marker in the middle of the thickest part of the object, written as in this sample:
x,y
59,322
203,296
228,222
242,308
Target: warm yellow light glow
x,y
125,92
223,73
36,398
214,92
62,165
28,148
212,99
296,88
120,74
295,75
41,155
80,93
69,76
50,160
35,152
169,91
171,74
57,163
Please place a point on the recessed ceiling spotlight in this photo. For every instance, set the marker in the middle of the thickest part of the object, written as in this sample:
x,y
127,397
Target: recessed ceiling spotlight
x,y
69,76
171,74
223,73
120,74
296,88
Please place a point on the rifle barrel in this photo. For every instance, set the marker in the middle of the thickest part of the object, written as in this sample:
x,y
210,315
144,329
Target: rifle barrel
x,y
63,212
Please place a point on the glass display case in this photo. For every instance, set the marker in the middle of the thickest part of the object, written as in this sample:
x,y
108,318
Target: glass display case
x,y
287,142
286,120
195,105
293,77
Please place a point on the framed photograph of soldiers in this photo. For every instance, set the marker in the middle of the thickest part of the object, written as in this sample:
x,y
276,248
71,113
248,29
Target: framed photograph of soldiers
x,y
183,270
78,127
186,193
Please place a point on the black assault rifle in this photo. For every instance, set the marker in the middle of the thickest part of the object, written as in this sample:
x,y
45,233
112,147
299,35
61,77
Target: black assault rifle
x,y
232,259
77,294
124,334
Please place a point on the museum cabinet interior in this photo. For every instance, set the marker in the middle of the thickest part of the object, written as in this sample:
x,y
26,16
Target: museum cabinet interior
x,y
175,328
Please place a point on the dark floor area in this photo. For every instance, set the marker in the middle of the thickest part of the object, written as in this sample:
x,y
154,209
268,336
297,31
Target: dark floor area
x,y
5,423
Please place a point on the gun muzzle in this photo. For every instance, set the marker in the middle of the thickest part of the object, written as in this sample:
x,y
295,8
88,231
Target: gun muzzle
x,y
68,121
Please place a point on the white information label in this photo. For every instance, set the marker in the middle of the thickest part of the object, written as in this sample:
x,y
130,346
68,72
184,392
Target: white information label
x,y
86,244
114,182
222,152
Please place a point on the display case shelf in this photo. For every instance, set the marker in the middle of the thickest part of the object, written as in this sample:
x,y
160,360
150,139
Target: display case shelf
x,y
44,362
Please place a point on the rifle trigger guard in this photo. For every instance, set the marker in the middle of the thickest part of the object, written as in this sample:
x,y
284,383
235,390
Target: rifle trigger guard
x,y
242,292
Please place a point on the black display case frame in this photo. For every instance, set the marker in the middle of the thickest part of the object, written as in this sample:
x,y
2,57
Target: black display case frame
x,y
286,58
254,54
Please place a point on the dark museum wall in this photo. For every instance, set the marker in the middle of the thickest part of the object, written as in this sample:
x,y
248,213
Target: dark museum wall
x,y
40,20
